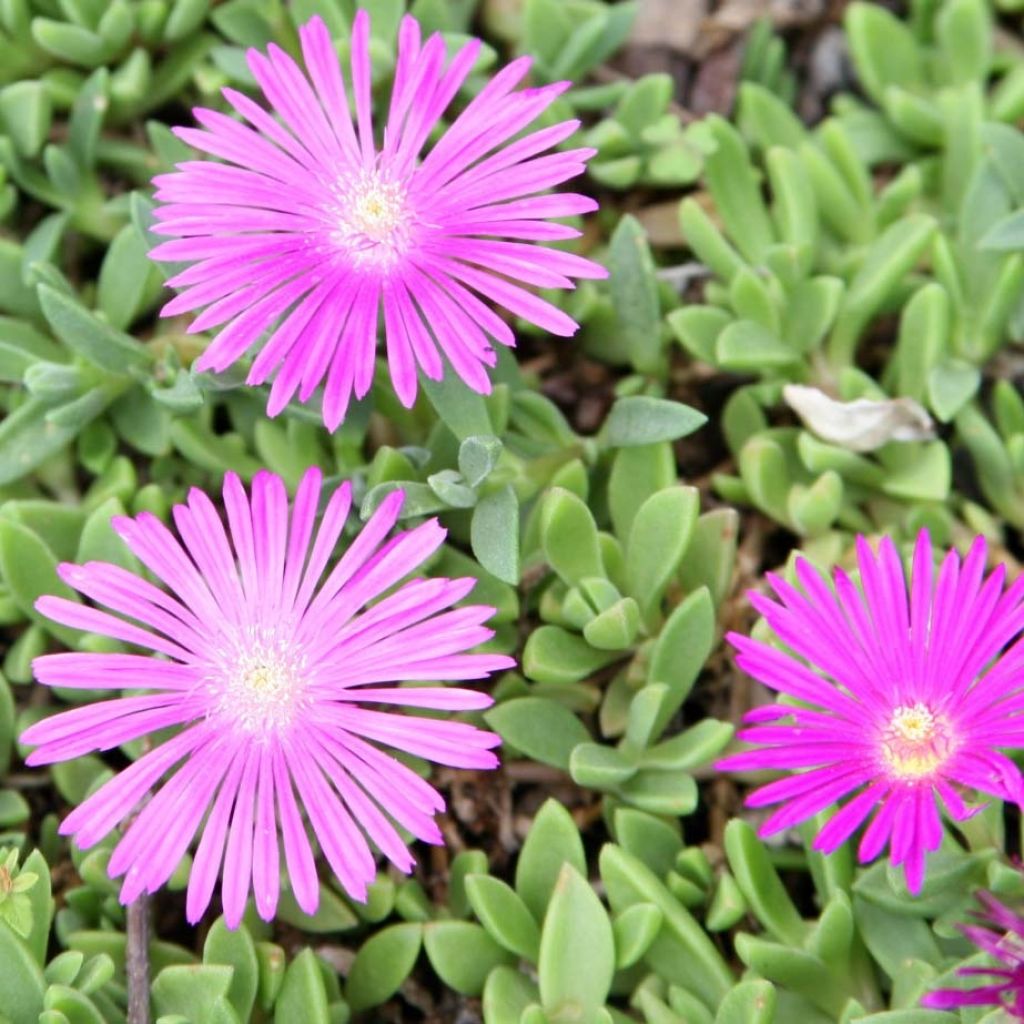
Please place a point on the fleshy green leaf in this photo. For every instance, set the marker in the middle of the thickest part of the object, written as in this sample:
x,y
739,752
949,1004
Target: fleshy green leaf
x,y
761,886
382,964
577,951
750,1002
463,954
541,728
23,985
504,914
88,336
553,840
494,534
569,536
640,419
554,655
635,294
236,949
303,995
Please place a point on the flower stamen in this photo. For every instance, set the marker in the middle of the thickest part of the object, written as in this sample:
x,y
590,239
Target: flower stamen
x,y
373,219
916,742
263,686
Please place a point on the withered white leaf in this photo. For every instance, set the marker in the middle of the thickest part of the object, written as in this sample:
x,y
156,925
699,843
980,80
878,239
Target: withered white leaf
x,y
862,425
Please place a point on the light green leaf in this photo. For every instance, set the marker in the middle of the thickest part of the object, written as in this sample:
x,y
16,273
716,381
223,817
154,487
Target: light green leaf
x,y
553,840
87,335
463,954
635,293
577,951
303,995
494,534
640,419
504,914
382,964
543,729
236,949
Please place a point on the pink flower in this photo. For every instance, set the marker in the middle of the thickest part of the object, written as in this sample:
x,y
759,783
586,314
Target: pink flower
x,y
266,665
901,703
313,227
1001,935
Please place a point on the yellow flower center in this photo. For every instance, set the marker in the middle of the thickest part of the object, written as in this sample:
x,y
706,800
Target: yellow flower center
x,y
378,211
263,687
373,219
916,742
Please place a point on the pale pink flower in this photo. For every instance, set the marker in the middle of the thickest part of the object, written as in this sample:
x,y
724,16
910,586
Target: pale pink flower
x,y
903,698
312,227
268,665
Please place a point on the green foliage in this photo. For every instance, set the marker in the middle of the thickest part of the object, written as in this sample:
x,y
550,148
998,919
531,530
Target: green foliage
x,y
15,903
877,256
802,275
642,142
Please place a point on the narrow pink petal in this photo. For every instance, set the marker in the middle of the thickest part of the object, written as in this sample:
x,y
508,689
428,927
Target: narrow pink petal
x,y
406,797
266,881
330,530
210,852
157,839
517,300
343,844
876,835
360,63
91,620
849,818
380,831
376,529
325,74
439,698
920,603
236,505
99,813
444,742
297,851
112,672
401,363
300,531
238,855
800,808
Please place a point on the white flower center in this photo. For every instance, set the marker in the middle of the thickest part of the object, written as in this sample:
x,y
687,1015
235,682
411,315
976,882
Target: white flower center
x,y
261,684
916,742
373,219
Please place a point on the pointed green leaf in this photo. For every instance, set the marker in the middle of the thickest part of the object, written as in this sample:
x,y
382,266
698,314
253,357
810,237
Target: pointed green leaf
x,y
382,964
577,951
541,728
504,914
463,954
553,840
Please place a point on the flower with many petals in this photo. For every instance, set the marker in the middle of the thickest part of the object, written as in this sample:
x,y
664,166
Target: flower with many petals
x,y
310,229
1000,933
276,673
900,699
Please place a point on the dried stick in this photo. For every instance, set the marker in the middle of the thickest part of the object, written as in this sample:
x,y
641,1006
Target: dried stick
x,y
137,960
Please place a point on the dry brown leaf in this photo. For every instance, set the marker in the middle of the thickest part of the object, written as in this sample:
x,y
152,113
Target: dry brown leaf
x,y
862,425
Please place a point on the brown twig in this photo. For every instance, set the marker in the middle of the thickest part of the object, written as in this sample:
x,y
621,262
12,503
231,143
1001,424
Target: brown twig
x,y
137,960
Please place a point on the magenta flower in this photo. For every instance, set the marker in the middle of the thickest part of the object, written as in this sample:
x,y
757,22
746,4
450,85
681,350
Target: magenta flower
x,y
311,227
1001,935
901,702
268,666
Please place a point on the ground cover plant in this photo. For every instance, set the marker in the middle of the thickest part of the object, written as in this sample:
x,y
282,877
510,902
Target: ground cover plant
x,y
510,512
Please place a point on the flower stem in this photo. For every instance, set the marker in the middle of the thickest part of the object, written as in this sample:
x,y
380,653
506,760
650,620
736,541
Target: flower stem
x,y
137,960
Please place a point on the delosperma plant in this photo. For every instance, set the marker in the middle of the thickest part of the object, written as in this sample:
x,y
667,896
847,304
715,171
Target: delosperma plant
x,y
510,512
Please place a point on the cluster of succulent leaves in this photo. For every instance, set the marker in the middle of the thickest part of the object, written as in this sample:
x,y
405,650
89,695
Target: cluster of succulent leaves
x,y
807,255
877,254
